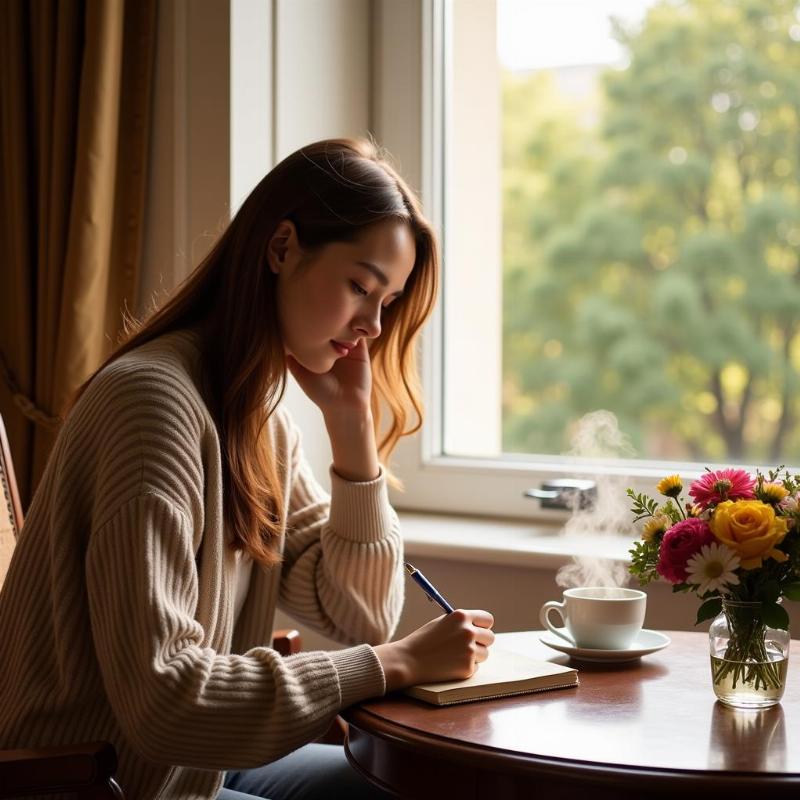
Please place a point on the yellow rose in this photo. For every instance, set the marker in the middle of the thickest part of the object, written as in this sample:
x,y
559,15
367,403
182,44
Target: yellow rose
x,y
751,529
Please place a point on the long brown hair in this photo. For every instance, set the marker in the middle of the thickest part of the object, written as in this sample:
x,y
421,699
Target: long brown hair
x,y
331,190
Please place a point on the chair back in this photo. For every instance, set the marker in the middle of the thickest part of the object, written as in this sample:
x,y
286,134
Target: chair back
x,y
10,506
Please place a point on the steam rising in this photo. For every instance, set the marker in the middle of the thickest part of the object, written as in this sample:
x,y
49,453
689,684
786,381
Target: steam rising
x,y
597,435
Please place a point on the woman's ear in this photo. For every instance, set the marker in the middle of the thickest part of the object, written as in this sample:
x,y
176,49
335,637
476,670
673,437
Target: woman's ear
x,y
281,246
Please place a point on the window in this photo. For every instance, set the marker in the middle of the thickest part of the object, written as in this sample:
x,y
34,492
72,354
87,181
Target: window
x,y
615,184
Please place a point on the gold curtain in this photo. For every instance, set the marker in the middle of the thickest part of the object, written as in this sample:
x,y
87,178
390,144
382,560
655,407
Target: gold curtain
x,y
75,95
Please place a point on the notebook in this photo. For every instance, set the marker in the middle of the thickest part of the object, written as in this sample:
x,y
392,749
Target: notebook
x,y
504,673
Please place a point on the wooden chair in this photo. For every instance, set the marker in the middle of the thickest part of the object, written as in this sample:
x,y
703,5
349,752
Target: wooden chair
x,y
86,770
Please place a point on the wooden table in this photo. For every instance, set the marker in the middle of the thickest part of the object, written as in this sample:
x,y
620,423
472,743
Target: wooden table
x,y
650,728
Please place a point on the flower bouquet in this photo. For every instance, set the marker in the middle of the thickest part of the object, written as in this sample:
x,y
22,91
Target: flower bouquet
x,y
736,544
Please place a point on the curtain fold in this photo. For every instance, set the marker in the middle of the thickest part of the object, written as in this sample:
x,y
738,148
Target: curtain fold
x,y
75,98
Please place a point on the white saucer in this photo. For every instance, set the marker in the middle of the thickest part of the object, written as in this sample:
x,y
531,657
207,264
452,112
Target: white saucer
x,y
646,642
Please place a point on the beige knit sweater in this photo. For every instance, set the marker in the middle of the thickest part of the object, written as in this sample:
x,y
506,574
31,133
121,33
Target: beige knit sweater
x,y
116,618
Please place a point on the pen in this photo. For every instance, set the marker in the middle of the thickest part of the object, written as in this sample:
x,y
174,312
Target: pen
x,y
428,587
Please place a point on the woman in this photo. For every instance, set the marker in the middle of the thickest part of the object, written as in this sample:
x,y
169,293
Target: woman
x,y
177,511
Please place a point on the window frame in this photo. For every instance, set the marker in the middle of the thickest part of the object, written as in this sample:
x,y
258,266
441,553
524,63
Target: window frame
x,y
434,481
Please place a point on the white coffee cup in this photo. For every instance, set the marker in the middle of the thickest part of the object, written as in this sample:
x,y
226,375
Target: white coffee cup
x,y
597,617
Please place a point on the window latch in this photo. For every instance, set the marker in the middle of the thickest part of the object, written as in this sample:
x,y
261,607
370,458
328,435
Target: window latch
x,y
565,493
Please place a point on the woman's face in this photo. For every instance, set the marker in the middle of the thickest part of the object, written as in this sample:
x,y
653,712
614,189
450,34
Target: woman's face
x,y
332,299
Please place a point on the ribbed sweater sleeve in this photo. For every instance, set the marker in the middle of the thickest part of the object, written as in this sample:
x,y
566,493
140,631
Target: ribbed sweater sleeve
x,y
177,699
343,556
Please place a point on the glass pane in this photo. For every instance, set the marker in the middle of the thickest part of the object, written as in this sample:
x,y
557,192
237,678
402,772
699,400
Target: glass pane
x,y
651,225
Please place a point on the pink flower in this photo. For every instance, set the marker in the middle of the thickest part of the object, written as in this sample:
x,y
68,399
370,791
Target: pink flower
x,y
683,540
724,484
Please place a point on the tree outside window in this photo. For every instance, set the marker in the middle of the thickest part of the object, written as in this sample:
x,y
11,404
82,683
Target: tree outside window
x,y
651,240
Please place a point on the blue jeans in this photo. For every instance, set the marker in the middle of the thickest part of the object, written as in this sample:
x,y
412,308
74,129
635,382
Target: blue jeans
x,y
314,772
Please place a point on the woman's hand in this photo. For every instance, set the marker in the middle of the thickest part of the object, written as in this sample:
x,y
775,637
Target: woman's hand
x,y
343,395
446,648
345,389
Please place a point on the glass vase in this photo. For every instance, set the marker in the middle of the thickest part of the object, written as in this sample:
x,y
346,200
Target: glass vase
x,y
748,658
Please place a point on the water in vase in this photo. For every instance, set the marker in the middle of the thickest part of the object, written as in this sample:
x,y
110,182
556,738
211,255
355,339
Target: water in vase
x,y
749,684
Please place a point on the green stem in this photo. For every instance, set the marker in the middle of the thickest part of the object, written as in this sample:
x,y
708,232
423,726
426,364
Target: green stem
x,y
746,653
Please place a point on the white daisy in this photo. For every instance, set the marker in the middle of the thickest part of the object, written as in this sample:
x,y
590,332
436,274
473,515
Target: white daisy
x,y
712,568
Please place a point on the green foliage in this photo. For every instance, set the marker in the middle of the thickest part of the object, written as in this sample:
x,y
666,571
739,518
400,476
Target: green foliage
x,y
643,506
792,591
709,609
769,591
672,511
775,616
644,557
651,260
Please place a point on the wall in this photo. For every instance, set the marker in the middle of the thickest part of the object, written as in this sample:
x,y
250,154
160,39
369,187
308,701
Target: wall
x,y
189,174
322,90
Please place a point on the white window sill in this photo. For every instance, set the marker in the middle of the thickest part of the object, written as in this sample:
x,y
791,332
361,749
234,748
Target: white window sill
x,y
503,542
